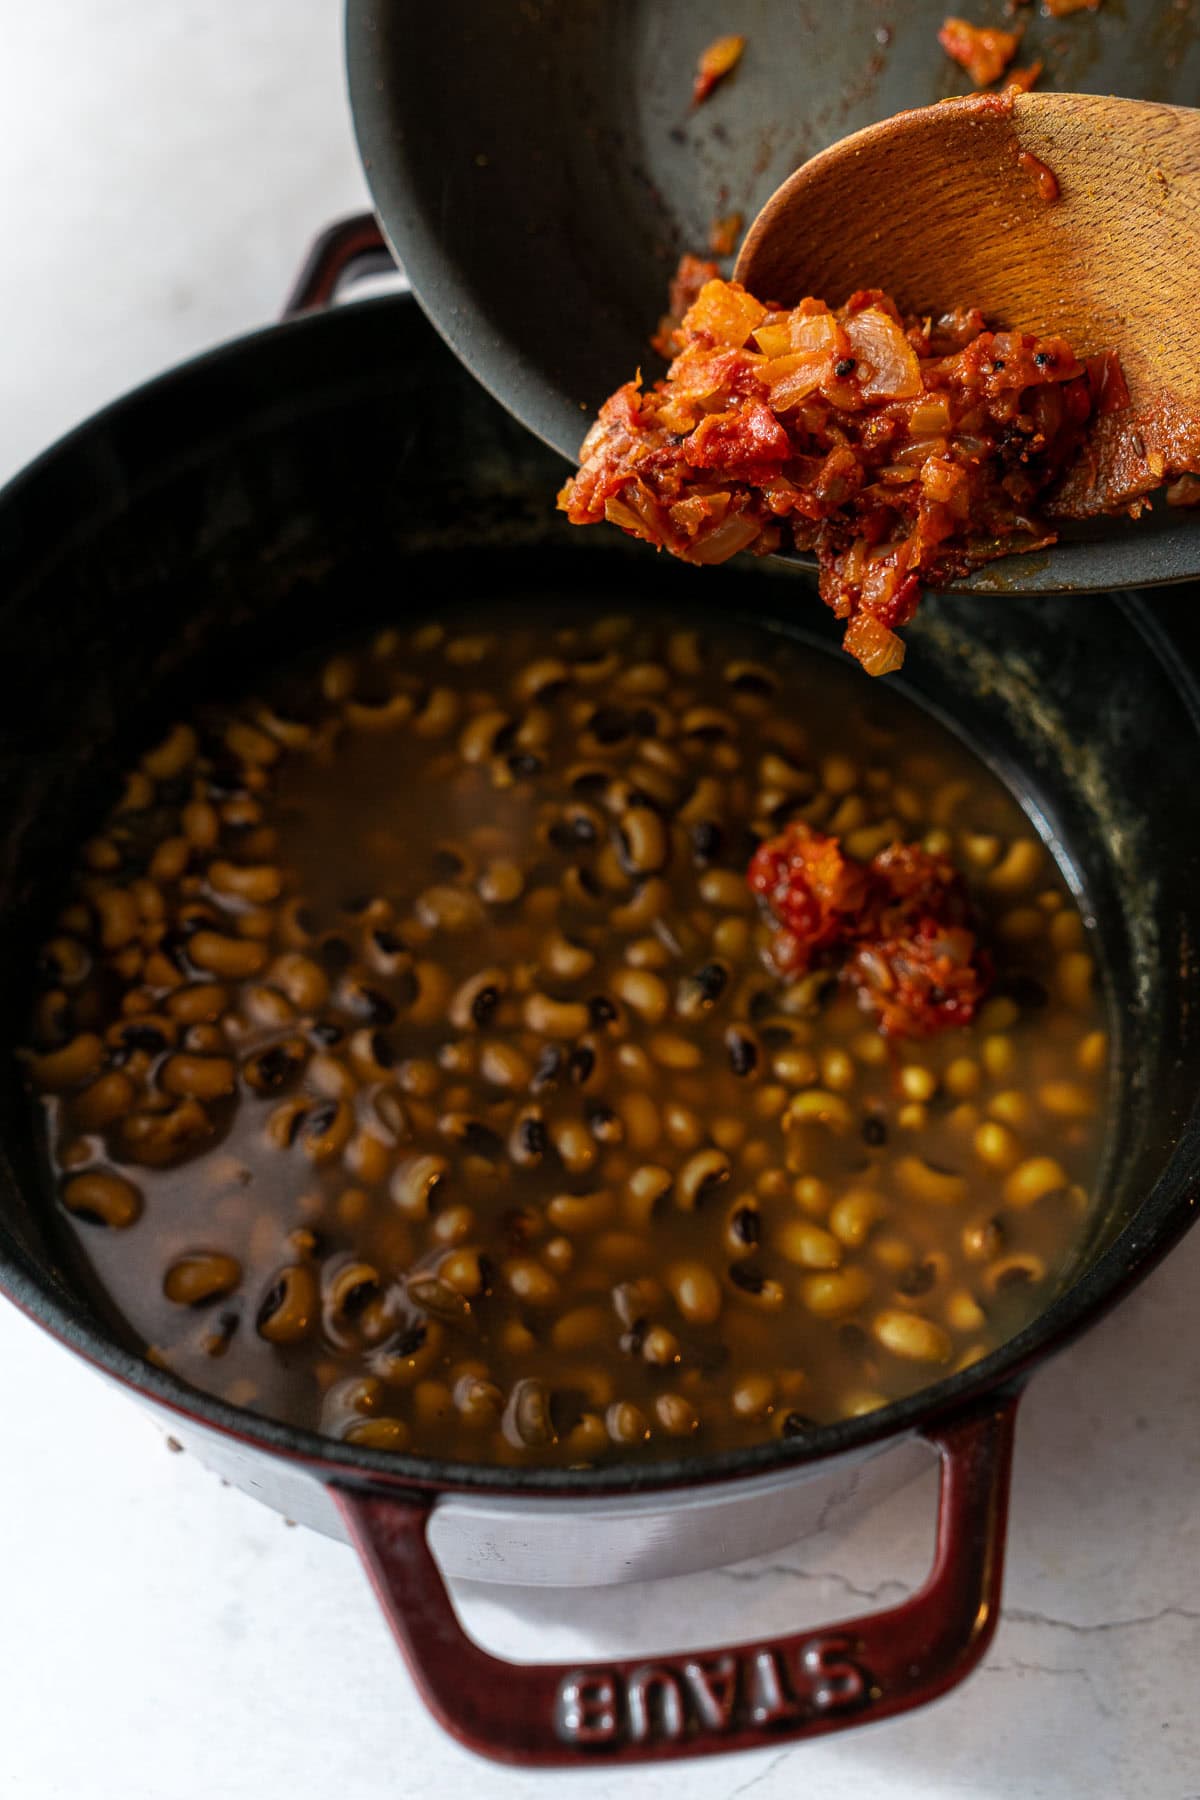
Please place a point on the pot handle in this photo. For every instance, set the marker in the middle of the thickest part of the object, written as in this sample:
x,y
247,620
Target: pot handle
x,y
707,1702
344,253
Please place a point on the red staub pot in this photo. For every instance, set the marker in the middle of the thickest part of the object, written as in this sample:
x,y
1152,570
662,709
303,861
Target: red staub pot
x,y
340,467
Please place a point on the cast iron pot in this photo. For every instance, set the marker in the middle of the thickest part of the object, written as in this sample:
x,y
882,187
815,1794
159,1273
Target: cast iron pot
x,y
340,469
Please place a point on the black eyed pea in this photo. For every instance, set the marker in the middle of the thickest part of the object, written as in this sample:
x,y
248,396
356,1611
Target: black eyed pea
x,y
501,882
368,1158
201,1277
698,993
415,1182
288,1309
582,1328
575,1145
996,1146
834,1294
502,1065
379,1433
540,678
753,1396
528,1139
559,1019
645,1189
743,1227
406,1357
650,902
371,1054
372,715
634,1300
1066,1099
68,961
755,1289
259,883
743,1050
170,757
102,1198
198,1077
526,1422
156,1139
117,917
626,1423
700,1177
640,1117
1023,1268
326,1129
233,959
451,909
479,736
102,855
439,715
1033,1180
250,745
266,1006
453,1225
725,890
432,993
695,1291
293,734
854,1216
660,1347
670,1050
170,859
470,648
982,1239
684,653
683,1127
350,1286
475,1001
911,1337
644,841
643,992
1074,974
661,784
387,953
138,793
676,1415
564,959
576,1213
963,1311
586,1439
807,1245
817,1106
1019,867
920,1181
108,1098
198,1002
478,1401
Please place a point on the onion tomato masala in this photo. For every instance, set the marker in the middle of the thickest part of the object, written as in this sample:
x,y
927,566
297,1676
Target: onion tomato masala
x,y
903,452
898,928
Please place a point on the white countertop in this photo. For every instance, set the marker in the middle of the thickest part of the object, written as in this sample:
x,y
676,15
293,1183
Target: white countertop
x,y
162,169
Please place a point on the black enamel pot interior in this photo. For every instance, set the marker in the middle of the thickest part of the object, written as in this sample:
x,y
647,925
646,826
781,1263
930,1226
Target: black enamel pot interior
x,y
343,469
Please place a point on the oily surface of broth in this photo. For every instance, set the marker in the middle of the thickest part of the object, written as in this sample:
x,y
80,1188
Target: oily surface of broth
x,y
412,1068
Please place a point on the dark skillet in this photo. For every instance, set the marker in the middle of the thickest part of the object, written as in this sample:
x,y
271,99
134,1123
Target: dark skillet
x,y
538,170
344,469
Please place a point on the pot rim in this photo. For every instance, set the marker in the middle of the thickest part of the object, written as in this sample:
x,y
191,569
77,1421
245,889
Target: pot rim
x,y
1166,1213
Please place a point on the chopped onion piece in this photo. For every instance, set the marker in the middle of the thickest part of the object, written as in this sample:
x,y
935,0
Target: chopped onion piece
x,y
879,650
884,356
724,312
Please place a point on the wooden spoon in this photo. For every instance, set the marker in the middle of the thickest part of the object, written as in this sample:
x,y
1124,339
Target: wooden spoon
x,y
1076,214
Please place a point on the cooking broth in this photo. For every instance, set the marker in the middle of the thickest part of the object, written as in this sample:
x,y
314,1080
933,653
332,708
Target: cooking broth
x,y
414,1068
